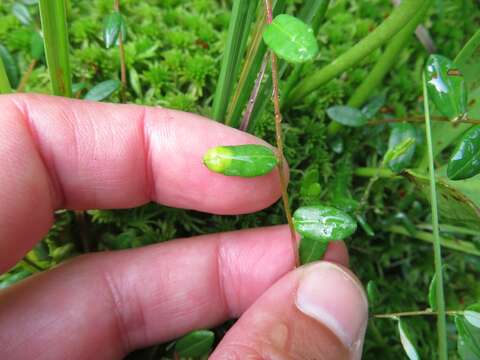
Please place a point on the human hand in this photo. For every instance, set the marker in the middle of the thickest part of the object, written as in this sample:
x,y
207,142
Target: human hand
x,y
59,153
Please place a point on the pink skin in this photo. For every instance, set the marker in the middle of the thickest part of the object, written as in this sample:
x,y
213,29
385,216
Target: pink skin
x,y
58,153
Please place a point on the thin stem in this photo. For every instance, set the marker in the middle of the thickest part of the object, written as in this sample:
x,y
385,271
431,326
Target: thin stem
x,y
253,96
394,23
373,171
441,322
123,64
421,119
4,82
394,316
279,138
26,76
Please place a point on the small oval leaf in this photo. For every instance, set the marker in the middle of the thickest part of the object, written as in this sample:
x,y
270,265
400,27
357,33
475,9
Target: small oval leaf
x,y
347,116
291,39
36,46
21,13
446,86
241,160
468,339
112,26
311,250
365,225
465,161
373,294
324,223
432,293
406,338
472,315
103,90
400,133
373,106
195,344
11,66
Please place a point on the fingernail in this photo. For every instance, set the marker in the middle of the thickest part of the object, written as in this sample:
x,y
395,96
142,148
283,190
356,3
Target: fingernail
x,y
333,297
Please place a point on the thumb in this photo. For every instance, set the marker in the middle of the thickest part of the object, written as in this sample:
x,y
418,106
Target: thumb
x,y
318,311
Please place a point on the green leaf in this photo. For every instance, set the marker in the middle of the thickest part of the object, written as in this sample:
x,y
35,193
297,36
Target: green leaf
x,y
36,46
291,39
432,293
364,225
112,26
465,160
373,294
347,116
446,86
241,160
11,66
195,344
407,340
135,82
9,279
311,250
76,87
397,151
103,90
472,315
400,133
324,223
21,13
373,106
468,339
458,201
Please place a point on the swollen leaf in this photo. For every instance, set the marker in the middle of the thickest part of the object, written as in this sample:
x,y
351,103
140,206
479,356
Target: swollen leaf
x,y
323,223
11,66
400,133
112,26
311,250
21,13
36,46
406,338
241,160
468,339
472,315
446,86
291,39
432,293
347,116
103,90
465,161
195,344
373,106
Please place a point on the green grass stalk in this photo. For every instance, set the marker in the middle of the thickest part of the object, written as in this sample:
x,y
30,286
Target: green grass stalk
x,y
384,32
54,27
123,63
4,82
241,19
441,322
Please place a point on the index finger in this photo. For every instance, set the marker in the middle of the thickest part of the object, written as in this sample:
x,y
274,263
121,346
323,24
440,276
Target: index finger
x,y
63,153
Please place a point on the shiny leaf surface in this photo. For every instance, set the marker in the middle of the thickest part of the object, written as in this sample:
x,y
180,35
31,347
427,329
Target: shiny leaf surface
x,y
472,315
323,223
465,160
347,116
446,86
103,90
112,26
242,160
406,338
195,344
291,39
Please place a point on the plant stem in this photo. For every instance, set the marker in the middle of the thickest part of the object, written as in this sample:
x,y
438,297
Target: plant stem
x,y
241,19
253,96
394,23
394,316
123,65
26,76
422,119
441,322
278,133
466,247
54,27
4,82
373,171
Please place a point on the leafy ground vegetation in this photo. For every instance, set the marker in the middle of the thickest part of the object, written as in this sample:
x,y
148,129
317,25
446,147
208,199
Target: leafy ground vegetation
x,y
173,52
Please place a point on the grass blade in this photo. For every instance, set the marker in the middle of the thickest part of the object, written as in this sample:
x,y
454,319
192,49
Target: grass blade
x,y
242,17
441,322
4,83
54,26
